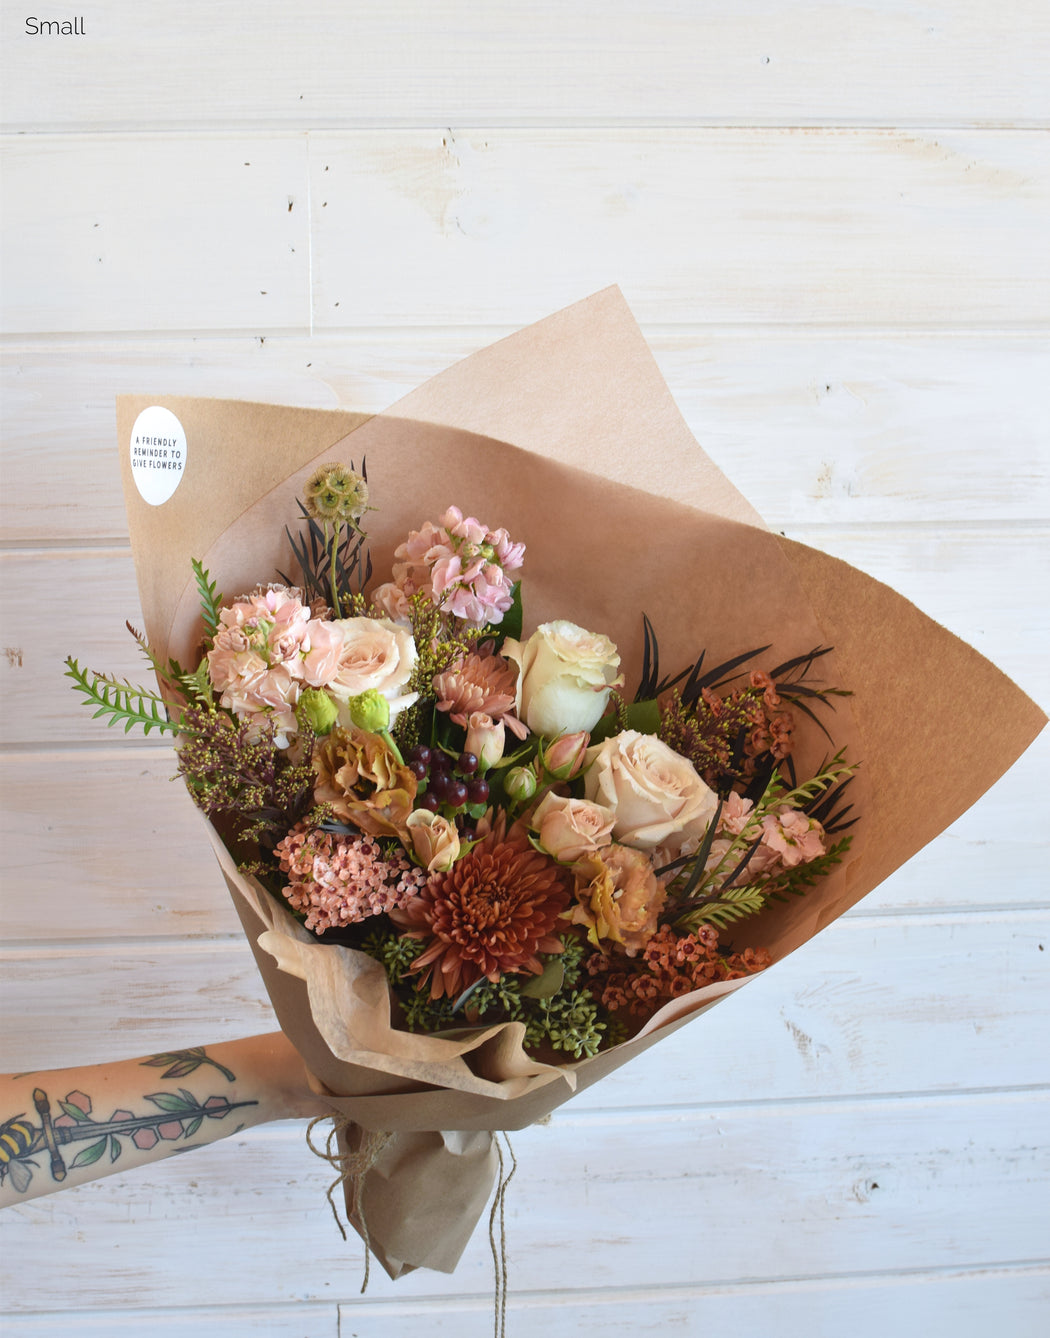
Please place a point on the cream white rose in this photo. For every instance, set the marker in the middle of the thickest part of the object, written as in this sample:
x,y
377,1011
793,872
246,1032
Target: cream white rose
x,y
655,794
564,677
571,828
377,655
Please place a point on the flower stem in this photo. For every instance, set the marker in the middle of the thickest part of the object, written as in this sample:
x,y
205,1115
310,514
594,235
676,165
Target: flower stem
x,y
336,529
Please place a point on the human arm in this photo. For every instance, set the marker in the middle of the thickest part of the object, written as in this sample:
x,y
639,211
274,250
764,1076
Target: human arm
x,y
62,1127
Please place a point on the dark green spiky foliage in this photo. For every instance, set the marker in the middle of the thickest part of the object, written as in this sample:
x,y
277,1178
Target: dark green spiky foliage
x,y
336,583
246,779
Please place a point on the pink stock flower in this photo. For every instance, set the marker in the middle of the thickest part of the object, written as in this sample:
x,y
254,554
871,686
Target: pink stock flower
x,y
267,648
794,837
467,569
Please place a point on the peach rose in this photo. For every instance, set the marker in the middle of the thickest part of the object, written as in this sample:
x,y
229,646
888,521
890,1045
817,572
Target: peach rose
x,y
376,655
571,828
564,677
486,739
655,794
435,840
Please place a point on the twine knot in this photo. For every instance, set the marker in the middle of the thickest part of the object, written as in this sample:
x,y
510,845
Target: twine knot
x,y
350,1166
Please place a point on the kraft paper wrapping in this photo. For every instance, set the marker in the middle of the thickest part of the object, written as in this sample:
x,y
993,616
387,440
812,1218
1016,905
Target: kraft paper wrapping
x,y
566,435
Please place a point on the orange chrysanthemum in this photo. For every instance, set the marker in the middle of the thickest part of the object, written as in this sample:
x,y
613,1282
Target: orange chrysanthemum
x,y
491,914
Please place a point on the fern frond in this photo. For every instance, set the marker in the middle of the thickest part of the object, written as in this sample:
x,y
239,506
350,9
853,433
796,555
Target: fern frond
x,y
121,701
198,685
171,673
731,904
211,599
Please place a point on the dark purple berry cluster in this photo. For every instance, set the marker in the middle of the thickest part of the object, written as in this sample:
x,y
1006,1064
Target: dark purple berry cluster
x,y
446,784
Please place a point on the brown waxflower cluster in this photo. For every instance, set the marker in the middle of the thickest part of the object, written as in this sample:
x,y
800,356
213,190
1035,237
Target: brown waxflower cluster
x,y
728,738
492,913
673,966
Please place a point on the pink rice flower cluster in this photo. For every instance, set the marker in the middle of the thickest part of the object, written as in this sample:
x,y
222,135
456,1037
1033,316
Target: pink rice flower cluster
x,y
467,569
340,880
268,647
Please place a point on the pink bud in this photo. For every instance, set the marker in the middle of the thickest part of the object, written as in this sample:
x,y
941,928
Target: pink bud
x,y
564,757
485,739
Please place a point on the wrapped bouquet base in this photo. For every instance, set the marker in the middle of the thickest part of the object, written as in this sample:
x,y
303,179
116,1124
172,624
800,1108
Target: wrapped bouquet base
x,y
567,433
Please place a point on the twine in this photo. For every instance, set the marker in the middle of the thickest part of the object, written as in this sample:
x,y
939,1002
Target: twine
x,y
351,1166
354,1166
499,1253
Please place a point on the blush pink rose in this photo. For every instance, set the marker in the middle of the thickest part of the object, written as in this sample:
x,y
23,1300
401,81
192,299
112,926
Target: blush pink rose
x,y
655,794
375,655
571,828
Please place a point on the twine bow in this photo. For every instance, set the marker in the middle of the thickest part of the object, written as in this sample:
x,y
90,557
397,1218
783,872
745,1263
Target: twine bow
x,y
349,1166
354,1166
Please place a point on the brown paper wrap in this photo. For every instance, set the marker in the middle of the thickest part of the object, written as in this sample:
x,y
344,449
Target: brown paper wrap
x,y
565,434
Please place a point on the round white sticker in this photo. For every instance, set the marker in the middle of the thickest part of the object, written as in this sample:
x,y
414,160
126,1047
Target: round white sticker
x,y
158,454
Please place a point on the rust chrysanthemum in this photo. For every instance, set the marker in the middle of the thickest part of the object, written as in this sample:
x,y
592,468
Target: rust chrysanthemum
x,y
491,914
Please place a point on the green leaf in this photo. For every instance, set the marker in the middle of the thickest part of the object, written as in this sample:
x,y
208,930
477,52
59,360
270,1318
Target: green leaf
x,y
74,1112
606,727
644,716
513,618
171,1102
88,1156
192,1127
114,1148
547,984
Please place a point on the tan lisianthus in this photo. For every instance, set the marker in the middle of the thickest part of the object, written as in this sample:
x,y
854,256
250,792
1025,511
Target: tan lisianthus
x,y
365,782
618,898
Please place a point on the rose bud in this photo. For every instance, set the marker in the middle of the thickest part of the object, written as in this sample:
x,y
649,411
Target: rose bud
x,y
520,784
564,757
435,840
485,739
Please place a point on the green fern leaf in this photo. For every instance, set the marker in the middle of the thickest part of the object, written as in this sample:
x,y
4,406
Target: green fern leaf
x,y
121,701
211,599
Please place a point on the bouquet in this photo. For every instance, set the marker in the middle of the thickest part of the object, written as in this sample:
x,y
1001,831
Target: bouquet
x,y
502,800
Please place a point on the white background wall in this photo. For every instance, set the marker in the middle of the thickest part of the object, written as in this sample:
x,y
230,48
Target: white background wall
x,y
831,220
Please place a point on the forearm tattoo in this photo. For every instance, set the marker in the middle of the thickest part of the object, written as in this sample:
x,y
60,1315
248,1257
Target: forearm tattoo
x,y
54,1130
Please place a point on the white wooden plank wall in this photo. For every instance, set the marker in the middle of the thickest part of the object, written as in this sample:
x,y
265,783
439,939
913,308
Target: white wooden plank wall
x,y
832,222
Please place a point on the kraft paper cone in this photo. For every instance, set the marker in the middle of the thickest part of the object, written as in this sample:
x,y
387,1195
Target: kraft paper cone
x,y
551,433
